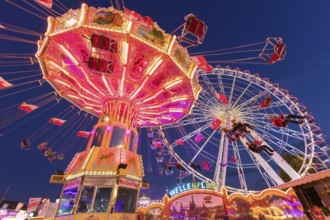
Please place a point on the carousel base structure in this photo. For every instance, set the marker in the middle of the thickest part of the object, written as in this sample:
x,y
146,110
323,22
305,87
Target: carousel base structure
x,y
100,183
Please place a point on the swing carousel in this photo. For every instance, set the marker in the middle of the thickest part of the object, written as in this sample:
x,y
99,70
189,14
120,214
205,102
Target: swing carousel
x,y
124,69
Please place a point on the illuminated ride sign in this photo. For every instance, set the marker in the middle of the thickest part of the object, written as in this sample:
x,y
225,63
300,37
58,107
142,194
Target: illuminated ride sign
x,y
128,183
191,186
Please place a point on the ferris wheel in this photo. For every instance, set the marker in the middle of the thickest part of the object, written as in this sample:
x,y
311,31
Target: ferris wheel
x,y
233,138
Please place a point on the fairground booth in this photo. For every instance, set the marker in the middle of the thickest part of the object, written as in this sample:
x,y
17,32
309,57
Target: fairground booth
x,y
201,200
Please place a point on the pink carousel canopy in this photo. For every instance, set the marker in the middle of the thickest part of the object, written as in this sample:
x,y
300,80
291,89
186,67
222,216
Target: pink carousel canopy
x,y
91,56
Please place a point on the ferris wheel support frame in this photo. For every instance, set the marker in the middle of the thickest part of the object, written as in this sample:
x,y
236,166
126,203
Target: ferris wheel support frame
x,y
223,168
279,160
224,160
218,166
239,168
268,169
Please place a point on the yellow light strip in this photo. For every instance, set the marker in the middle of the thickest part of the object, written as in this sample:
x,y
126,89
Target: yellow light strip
x,y
155,67
91,108
122,82
148,99
50,25
167,118
86,97
146,78
62,69
41,47
150,120
149,113
68,74
90,82
139,88
173,84
107,85
183,98
171,110
125,52
63,83
126,47
163,50
129,26
84,9
193,71
175,110
66,52
171,45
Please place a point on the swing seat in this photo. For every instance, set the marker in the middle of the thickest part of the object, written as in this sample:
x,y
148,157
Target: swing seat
x,y
206,165
100,65
195,27
279,52
104,43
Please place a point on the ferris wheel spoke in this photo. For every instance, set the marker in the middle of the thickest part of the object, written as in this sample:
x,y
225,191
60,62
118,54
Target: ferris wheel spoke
x,y
232,90
208,101
283,145
191,134
190,122
196,148
276,104
208,95
208,84
251,100
214,141
202,147
241,95
207,104
255,109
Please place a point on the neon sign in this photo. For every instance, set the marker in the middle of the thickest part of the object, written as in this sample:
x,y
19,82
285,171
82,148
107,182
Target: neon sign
x,y
192,186
128,183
